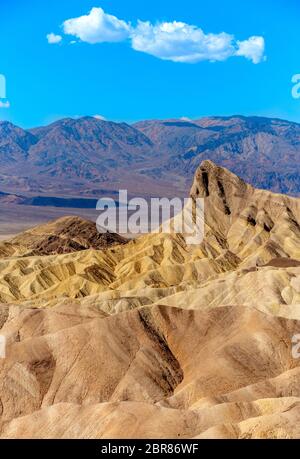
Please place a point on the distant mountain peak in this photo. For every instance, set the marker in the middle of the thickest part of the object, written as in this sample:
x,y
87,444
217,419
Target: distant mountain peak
x,y
84,155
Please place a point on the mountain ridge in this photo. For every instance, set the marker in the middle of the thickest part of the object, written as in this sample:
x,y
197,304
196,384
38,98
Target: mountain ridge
x,y
83,156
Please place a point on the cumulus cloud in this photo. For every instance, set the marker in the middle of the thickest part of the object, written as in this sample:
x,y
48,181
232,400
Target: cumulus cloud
x,y
174,41
97,27
54,39
253,49
180,42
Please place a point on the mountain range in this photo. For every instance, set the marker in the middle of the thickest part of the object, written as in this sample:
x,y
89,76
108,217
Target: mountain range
x,y
85,157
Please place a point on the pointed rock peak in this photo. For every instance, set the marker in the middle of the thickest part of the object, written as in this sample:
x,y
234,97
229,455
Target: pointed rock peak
x,y
211,179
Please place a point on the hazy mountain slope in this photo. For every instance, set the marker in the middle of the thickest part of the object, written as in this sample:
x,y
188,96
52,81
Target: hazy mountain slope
x,y
14,144
262,151
91,141
83,157
69,156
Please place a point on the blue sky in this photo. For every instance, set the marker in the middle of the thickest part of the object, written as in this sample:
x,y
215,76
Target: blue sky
x,y
114,78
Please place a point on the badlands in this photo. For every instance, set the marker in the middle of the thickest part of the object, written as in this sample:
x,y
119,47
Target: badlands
x,y
153,338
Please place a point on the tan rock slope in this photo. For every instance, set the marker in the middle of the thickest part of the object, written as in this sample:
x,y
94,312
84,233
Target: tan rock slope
x,y
156,338
65,235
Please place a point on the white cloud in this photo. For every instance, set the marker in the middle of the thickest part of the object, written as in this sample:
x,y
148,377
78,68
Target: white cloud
x,y
253,49
54,39
174,41
100,117
97,27
4,104
180,42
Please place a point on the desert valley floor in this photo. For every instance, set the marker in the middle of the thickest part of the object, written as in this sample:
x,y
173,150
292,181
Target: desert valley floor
x,y
153,338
